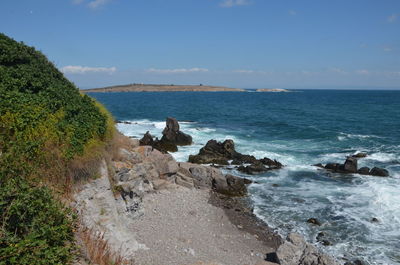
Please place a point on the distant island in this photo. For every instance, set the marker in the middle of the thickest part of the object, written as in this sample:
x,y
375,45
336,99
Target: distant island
x,y
163,88
272,90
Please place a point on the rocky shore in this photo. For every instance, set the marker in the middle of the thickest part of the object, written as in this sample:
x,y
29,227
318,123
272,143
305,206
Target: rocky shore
x,y
154,210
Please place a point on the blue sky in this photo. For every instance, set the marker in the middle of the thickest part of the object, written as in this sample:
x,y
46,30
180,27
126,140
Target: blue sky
x,y
237,43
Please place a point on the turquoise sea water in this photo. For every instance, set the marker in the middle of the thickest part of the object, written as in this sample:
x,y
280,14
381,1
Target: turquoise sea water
x,y
299,129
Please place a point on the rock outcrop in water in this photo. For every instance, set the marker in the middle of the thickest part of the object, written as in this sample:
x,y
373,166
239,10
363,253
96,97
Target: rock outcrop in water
x,y
223,152
171,139
350,166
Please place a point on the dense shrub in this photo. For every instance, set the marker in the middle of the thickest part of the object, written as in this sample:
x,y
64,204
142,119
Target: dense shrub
x,y
45,123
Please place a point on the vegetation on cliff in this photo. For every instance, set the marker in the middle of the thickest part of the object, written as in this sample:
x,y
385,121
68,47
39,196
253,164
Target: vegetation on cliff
x,y
46,125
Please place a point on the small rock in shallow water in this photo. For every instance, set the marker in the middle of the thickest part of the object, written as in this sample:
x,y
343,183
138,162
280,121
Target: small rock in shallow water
x,y
313,221
375,220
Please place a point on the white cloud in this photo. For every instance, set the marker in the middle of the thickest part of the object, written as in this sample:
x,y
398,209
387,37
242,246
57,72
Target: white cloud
x,y
232,3
387,49
244,71
337,70
77,69
292,12
363,72
96,3
92,3
392,18
177,71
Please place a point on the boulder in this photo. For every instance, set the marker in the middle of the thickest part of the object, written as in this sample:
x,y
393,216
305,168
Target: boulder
x,y
230,185
172,137
332,166
172,134
380,172
253,169
363,171
215,152
350,166
222,152
295,250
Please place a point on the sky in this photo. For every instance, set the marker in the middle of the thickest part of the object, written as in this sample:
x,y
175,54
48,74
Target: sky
x,y
341,44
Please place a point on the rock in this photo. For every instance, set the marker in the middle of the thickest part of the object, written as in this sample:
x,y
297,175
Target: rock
x,y
147,139
374,220
172,134
380,172
313,221
222,152
230,185
253,169
318,165
350,165
215,152
272,164
363,171
272,257
184,178
359,155
172,137
296,251
164,163
321,237
332,166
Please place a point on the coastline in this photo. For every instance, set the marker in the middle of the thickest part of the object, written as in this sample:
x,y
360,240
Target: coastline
x,y
154,211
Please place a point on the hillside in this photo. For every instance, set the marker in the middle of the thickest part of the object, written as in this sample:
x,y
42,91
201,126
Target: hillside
x,y
163,88
47,130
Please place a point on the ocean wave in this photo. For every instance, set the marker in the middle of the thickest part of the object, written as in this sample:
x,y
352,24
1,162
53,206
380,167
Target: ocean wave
x,y
344,136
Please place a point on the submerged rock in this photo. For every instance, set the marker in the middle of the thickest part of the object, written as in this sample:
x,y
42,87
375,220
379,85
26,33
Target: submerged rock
x,y
314,221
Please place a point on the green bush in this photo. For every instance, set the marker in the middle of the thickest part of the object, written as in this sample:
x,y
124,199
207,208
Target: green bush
x,y
45,122
36,229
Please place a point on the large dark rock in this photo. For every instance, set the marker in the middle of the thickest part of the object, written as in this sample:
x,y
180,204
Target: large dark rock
x,y
172,137
363,171
332,166
253,169
380,172
222,152
350,166
172,134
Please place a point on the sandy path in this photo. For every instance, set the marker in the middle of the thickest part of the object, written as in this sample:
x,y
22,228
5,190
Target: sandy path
x,y
180,228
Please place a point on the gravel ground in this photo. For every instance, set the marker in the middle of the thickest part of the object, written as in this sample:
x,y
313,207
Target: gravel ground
x,y
180,227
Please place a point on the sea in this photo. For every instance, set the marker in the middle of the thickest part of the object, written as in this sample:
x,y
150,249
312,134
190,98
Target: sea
x,y
299,129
